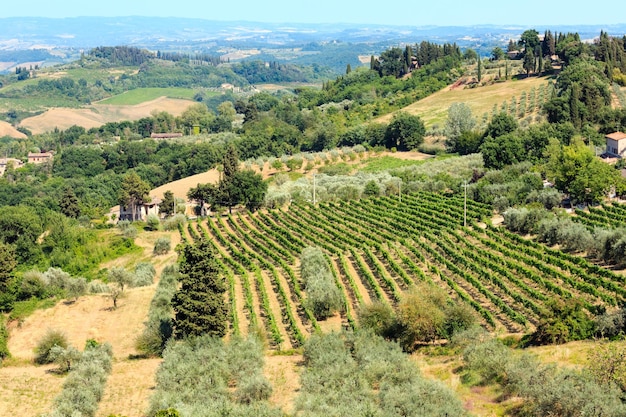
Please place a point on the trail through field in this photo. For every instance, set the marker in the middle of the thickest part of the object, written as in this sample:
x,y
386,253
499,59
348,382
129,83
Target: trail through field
x,y
129,387
283,372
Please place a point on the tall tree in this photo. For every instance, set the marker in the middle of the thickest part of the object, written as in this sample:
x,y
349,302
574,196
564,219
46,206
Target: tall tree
x,y
203,194
479,70
134,192
7,265
69,204
460,120
168,205
199,304
405,132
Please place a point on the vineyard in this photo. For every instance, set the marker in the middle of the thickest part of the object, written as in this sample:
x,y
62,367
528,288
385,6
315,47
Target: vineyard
x,y
378,248
606,216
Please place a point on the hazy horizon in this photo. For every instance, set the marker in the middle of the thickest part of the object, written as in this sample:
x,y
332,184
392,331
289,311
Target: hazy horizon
x,y
403,12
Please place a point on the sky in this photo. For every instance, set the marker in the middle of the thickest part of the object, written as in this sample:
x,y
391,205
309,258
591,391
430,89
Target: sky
x,y
398,12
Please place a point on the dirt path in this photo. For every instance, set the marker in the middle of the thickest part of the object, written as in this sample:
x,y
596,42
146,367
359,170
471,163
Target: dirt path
x,y
129,388
283,372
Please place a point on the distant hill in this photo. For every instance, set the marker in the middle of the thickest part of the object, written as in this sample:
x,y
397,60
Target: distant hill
x,y
51,40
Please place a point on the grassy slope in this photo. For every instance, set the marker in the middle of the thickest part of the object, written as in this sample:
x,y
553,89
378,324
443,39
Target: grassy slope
x,y
433,109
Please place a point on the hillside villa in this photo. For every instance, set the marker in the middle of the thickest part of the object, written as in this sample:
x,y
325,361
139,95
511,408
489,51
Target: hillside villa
x,y
616,144
144,211
4,162
39,157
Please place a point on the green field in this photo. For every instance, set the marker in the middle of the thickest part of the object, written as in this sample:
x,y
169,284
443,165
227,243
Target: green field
x,y
141,95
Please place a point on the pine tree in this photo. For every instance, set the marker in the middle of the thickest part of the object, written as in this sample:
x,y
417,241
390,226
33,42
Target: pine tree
x,y
199,304
69,204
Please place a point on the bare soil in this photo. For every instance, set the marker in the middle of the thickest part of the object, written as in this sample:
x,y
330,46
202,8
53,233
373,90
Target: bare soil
x,y
283,373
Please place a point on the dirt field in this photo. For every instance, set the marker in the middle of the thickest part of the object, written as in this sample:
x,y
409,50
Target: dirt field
x,y
99,114
7,130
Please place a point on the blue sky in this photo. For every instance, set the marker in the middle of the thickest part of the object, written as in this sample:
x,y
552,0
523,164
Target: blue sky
x,y
402,12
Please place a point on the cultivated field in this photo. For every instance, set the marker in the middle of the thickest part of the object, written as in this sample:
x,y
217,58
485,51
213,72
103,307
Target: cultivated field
x,y
99,114
434,108
506,279
142,95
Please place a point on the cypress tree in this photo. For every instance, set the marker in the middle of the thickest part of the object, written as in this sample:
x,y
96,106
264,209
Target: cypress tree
x,y
199,304
479,70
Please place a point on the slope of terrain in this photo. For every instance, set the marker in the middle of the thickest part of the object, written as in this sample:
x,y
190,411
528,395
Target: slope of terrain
x,y
7,130
99,114
434,108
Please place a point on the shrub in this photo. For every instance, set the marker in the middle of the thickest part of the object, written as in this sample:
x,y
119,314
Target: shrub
x,y
162,246
130,232
153,222
322,295
380,319
64,358
76,287
254,388
51,339
173,222
144,275
32,285
97,287
84,386
567,321
4,337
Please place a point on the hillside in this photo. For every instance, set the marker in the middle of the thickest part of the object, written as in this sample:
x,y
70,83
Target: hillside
x,y
98,114
433,109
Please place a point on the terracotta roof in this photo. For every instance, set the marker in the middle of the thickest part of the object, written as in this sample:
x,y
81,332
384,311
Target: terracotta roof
x,y
616,136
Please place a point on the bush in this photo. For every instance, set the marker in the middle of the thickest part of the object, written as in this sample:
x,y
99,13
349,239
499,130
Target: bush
x,y
567,321
64,358
380,319
153,222
84,386
4,338
322,295
51,339
162,246
97,287
254,388
172,223
32,285
144,275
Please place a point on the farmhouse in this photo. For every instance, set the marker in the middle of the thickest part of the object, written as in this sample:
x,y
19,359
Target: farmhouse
x,y
616,144
39,157
4,162
144,210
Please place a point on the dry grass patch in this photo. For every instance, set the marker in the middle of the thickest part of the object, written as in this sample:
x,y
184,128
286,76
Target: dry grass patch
x,y
129,388
6,129
28,390
99,114
434,108
91,317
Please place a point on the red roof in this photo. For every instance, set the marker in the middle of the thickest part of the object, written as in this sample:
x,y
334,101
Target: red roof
x,y
616,136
